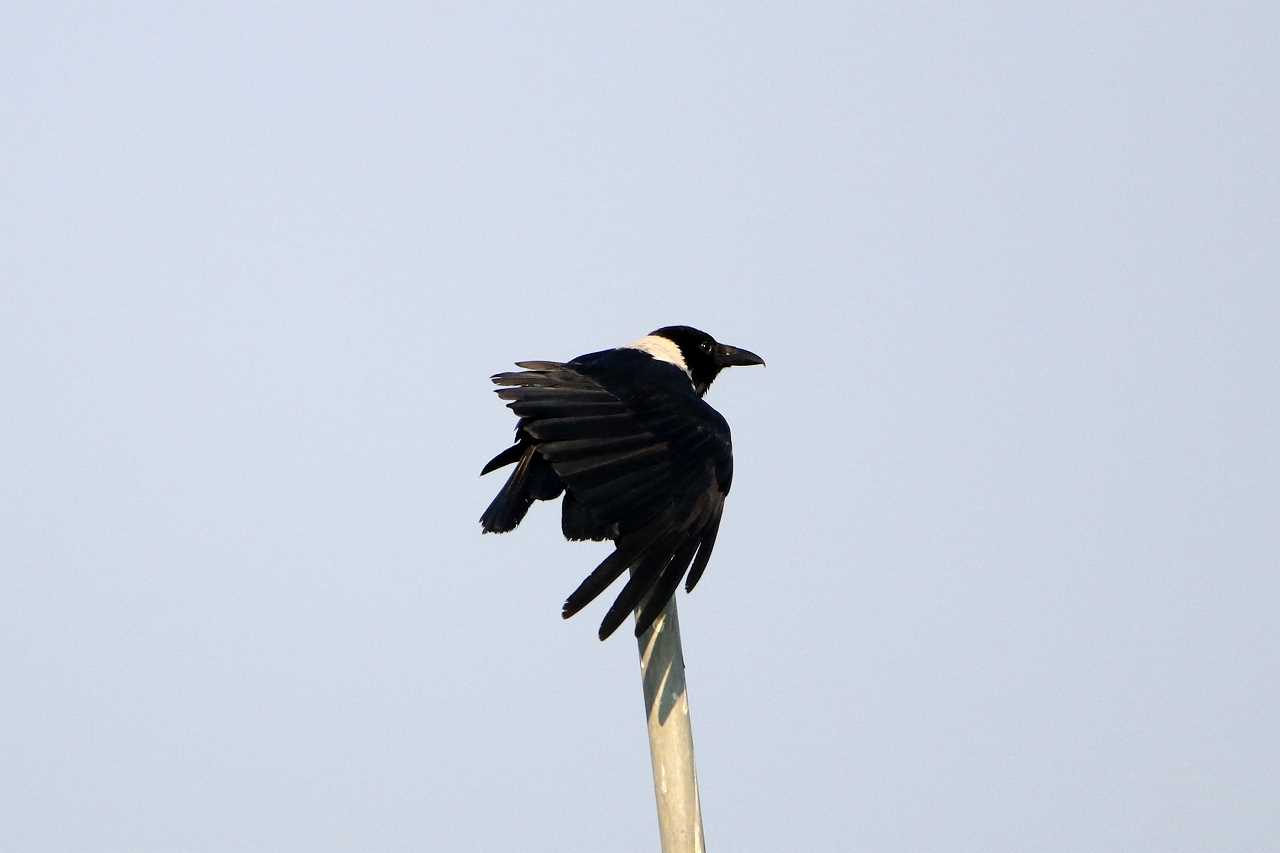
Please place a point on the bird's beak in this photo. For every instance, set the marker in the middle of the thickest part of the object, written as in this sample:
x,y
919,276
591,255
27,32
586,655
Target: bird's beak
x,y
727,356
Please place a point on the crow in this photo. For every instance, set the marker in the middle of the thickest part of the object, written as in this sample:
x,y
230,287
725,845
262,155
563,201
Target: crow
x,y
640,457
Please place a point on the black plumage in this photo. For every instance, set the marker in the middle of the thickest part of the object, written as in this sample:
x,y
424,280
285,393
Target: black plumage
x,y
640,457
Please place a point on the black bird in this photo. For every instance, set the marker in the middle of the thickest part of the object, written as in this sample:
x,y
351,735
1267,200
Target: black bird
x,y
640,457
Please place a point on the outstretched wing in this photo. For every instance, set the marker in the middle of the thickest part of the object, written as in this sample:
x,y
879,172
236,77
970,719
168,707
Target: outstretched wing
x,y
643,456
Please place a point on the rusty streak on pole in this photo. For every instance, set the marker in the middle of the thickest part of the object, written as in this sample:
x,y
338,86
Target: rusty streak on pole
x,y
666,702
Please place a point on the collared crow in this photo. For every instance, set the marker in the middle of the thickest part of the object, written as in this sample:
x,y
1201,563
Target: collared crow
x,y
640,457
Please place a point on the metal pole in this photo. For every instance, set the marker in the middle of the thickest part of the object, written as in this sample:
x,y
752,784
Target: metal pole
x,y
666,703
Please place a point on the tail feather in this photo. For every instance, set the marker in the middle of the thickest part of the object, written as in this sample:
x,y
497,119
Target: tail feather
x,y
660,593
643,575
627,552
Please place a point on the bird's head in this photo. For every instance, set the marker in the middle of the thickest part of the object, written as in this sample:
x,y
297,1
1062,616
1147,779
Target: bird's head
x,y
704,357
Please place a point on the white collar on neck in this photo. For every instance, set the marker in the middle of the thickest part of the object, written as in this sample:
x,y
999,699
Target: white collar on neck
x,y
663,349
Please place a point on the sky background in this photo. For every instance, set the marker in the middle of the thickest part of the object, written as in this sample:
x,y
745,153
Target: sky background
x,y
999,569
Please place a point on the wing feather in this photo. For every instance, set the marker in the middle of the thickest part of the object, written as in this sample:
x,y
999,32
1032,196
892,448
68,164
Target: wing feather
x,y
584,426
594,468
577,448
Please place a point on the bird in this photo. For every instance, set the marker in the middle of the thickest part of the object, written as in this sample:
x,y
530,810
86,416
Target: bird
x,y
640,457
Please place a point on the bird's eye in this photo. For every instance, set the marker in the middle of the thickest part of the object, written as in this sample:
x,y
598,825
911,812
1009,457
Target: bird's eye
x,y
705,346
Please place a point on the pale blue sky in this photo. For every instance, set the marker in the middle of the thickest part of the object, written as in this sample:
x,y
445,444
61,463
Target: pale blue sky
x,y
999,570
